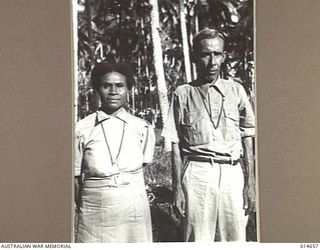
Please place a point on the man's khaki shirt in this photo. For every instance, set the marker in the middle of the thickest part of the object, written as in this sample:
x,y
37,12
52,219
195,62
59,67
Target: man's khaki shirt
x,y
210,124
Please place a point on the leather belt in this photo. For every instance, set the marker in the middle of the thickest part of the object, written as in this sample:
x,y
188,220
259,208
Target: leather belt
x,y
204,159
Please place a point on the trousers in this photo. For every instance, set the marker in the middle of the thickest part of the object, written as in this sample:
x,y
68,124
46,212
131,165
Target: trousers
x,y
214,202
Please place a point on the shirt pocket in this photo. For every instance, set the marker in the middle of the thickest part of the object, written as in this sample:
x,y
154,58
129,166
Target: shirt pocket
x,y
232,132
194,128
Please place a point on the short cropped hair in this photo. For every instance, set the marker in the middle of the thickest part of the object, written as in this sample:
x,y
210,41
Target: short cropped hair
x,y
205,33
103,68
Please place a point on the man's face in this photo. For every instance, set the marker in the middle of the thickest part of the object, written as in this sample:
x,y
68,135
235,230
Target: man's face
x,y
113,91
208,58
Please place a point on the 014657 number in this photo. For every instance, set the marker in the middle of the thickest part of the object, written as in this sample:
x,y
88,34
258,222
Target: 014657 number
x,y
309,245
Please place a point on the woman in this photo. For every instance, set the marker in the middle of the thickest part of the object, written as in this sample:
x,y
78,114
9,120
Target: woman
x,y
110,150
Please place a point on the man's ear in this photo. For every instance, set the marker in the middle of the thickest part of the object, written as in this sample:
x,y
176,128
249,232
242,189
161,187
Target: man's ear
x,y
224,56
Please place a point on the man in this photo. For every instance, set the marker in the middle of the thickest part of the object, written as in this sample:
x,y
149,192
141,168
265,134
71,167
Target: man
x,y
211,125
110,149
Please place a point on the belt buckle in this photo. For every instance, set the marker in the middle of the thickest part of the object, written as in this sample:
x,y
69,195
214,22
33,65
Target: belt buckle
x,y
211,160
112,181
120,180
115,180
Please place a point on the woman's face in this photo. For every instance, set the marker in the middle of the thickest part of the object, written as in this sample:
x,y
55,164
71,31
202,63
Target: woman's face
x,y
113,91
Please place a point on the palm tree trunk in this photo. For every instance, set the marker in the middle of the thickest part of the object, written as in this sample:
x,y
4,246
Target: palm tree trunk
x,y
196,17
203,13
158,63
195,30
185,44
90,38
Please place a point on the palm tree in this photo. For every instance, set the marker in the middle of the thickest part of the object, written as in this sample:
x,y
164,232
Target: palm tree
x,y
158,62
185,44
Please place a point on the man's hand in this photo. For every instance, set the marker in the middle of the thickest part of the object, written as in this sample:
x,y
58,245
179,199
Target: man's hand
x,y
179,201
249,190
249,196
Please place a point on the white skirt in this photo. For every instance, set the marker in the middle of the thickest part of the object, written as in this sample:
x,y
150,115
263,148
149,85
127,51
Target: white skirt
x,y
115,214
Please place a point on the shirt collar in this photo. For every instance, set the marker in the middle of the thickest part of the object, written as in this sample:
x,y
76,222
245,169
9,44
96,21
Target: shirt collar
x,y
121,114
218,85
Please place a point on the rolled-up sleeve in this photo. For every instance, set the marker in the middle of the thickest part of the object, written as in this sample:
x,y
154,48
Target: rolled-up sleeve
x,y
247,117
149,142
78,148
170,129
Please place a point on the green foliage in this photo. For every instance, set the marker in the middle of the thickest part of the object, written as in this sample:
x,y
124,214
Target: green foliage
x,y
119,30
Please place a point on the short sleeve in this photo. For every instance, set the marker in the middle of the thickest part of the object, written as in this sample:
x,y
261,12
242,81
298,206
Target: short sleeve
x,y
78,152
247,117
149,141
170,131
